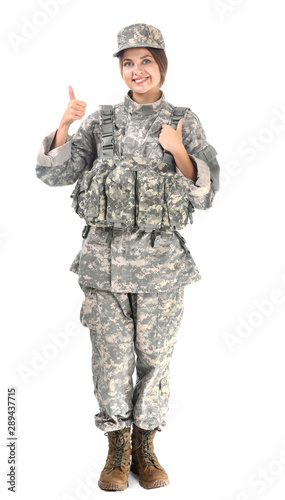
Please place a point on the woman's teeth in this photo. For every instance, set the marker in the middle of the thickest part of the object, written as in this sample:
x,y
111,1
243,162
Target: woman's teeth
x,y
140,80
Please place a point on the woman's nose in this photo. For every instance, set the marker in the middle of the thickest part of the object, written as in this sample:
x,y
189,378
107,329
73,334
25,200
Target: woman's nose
x,y
137,68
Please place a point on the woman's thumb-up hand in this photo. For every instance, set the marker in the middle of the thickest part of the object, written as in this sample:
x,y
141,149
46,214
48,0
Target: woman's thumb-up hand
x,y
75,109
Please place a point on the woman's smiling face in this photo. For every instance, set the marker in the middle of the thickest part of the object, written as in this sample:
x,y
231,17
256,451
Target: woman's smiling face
x,y
141,73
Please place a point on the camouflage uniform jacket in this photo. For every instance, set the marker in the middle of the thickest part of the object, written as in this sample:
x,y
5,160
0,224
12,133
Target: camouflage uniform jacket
x,y
124,260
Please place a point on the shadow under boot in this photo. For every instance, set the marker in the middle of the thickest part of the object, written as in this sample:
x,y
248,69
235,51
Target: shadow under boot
x,y
115,474
144,460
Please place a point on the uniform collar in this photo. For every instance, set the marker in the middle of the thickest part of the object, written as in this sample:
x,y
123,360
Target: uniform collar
x,y
142,109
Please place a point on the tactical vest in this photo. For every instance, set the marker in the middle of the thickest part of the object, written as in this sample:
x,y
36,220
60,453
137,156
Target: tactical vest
x,y
140,192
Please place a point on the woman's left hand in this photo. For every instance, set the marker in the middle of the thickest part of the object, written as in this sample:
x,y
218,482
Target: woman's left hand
x,y
170,139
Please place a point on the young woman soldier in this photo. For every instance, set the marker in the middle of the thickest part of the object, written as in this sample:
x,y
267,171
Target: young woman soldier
x,y
133,276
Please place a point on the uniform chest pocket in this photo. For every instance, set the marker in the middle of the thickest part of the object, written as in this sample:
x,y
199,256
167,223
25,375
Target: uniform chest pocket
x,y
150,193
120,193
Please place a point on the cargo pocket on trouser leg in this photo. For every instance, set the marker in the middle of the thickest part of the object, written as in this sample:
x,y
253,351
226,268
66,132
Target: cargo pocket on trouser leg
x,y
170,313
88,316
164,394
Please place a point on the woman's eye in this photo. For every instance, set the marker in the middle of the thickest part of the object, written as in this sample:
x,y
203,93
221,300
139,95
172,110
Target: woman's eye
x,y
126,63
146,60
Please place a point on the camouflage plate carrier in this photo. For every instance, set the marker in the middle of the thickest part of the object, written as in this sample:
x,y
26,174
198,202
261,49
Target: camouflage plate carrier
x,y
141,192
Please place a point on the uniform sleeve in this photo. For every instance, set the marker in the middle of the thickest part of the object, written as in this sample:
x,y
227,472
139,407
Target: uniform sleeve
x,y
63,165
203,157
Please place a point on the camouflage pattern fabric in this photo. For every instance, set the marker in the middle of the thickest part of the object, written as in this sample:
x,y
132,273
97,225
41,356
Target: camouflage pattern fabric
x,y
133,279
139,35
126,261
121,324
116,258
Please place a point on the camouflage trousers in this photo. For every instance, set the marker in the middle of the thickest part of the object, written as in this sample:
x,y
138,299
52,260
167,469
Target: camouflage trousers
x,y
131,331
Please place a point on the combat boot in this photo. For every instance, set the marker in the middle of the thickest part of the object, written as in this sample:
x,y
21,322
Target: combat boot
x,y
144,460
115,474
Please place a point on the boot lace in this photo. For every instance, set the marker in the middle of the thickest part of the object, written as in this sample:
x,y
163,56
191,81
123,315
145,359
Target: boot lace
x,y
147,456
119,458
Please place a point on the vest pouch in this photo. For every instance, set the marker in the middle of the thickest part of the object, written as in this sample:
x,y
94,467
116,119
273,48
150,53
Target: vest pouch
x,y
94,204
91,201
120,194
77,196
150,194
176,190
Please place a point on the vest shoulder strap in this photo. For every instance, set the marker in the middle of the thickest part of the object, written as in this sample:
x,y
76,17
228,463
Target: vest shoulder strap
x,y
107,131
177,113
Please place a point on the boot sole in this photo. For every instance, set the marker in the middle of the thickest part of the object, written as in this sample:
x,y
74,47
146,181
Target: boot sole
x,y
113,486
149,485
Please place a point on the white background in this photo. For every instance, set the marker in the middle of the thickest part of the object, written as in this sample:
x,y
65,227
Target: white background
x,y
225,436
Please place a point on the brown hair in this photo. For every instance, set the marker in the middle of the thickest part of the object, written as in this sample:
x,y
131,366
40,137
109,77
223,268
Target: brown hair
x,y
160,58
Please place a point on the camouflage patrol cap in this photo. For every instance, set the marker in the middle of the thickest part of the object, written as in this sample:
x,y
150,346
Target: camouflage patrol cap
x,y
139,35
